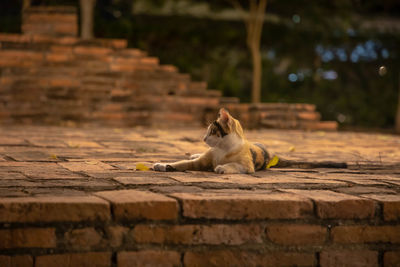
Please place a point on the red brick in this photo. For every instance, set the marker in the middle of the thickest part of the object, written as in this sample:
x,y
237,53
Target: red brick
x,y
152,258
17,38
136,205
331,205
16,261
95,259
63,82
20,54
61,49
84,238
356,234
296,234
349,259
198,234
239,205
66,29
222,258
28,238
86,166
57,57
119,43
391,259
92,51
149,60
391,206
116,235
54,209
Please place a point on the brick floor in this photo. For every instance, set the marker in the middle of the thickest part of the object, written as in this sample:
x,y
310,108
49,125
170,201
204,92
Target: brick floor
x,y
73,195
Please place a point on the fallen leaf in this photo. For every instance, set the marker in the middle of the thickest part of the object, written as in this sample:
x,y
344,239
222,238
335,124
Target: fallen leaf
x,y
142,167
292,149
73,144
53,156
273,162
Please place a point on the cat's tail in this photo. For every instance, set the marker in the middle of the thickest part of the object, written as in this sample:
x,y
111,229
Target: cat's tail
x,y
298,164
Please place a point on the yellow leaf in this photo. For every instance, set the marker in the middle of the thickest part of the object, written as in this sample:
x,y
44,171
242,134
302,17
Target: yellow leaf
x,y
73,144
53,156
273,162
142,167
292,149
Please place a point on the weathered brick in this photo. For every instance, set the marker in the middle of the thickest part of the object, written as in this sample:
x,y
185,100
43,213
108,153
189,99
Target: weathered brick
x,y
237,205
391,205
222,258
148,258
92,51
357,234
86,166
84,238
198,234
296,234
331,205
136,205
57,57
95,259
16,261
391,259
363,258
54,209
149,60
116,235
28,238
64,82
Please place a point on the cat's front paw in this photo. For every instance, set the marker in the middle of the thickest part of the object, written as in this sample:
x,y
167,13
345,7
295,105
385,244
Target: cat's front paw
x,y
160,167
220,169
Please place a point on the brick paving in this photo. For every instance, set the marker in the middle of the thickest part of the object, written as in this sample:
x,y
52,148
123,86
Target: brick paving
x,y
74,195
46,161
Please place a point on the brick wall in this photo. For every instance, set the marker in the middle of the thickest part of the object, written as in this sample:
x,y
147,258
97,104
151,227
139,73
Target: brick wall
x,y
220,228
54,20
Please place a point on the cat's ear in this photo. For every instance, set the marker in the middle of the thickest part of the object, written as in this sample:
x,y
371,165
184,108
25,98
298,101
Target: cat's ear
x,y
224,115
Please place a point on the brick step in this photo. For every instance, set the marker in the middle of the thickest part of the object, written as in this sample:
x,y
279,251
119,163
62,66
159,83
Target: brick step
x,y
15,58
295,124
40,41
284,106
167,118
132,118
290,115
229,100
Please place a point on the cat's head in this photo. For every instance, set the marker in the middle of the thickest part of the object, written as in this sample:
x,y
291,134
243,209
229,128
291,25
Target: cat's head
x,y
224,128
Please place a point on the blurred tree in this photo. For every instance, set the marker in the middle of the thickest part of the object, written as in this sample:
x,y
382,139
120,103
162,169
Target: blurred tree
x,y
254,21
87,11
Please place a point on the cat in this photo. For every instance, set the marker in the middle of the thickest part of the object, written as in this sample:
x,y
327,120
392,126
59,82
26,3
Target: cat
x,y
229,151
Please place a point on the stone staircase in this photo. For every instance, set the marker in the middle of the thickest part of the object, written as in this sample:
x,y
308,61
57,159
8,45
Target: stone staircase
x,y
49,76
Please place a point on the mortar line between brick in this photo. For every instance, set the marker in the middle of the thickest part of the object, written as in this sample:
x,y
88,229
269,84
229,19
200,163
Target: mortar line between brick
x,y
111,207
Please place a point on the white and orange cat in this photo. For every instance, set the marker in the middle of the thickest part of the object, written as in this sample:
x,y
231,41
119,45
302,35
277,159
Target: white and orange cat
x,y
229,151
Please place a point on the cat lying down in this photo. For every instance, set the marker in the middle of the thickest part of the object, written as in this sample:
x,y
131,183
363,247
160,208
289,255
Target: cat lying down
x,y
229,151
